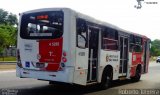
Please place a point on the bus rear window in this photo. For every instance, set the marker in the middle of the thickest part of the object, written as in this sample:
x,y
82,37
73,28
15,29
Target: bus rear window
x,y
42,25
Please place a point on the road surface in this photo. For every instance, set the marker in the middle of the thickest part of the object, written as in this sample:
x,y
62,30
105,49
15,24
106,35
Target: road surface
x,y
10,83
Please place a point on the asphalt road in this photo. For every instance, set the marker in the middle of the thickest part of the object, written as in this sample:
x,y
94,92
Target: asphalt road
x,y
9,83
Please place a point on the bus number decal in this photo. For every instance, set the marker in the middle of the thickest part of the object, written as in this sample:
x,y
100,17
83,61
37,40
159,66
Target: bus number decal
x,y
54,44
81,53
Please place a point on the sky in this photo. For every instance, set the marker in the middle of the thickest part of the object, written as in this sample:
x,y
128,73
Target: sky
x,y
122,13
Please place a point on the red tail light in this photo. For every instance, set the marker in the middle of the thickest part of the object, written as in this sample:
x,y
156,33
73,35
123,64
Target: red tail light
x,y
64,53
64,59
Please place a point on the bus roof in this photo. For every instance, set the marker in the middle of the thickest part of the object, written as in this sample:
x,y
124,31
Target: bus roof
x,y
88,18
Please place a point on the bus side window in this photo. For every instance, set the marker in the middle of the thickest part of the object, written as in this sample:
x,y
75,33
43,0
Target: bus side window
x,y
138,47
81,37
131,45
110,39
135,44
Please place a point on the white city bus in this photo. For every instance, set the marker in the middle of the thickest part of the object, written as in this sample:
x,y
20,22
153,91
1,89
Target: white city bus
x,y
60,45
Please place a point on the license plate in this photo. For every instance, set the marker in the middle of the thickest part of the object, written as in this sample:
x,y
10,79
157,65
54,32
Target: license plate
x,y
40,65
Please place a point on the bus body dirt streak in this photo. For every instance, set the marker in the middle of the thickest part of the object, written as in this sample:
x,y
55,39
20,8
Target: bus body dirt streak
x,y
61,45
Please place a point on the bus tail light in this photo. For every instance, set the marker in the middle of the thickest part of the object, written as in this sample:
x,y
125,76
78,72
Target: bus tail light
x,y
19,59
64,59
64,53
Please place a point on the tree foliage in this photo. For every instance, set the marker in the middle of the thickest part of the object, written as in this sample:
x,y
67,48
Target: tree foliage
x,y
155,49
8,29
7,18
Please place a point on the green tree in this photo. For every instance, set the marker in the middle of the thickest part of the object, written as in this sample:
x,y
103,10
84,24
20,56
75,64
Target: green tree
x,y
3,16
155,49
8,33
8,29
12,19
7,18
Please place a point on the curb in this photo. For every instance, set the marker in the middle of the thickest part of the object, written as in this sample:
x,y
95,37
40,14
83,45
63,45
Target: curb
x,y
8,62
7,71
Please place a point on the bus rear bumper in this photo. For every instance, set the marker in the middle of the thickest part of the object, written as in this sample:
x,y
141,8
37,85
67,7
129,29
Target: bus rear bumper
x,y
59,76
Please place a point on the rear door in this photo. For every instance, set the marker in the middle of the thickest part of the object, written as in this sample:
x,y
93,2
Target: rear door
x,y
81,66
93,53
123,56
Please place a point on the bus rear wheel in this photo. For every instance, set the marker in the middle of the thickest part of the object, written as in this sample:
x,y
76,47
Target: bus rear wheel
x,y
51,82
137,76
106,80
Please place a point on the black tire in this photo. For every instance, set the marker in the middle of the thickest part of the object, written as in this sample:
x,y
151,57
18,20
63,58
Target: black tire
x,y
51,82
106,80
137,76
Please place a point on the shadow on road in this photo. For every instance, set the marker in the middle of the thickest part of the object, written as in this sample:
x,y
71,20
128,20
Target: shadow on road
x,y
69,89
123,82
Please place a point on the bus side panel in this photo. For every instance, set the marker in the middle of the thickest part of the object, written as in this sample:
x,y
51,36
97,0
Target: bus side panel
x,y
66,36
81,67
72,38
69,43
129,72
110,58
136,59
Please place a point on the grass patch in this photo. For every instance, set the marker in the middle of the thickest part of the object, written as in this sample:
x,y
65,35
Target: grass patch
x,y
8,58
4,67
